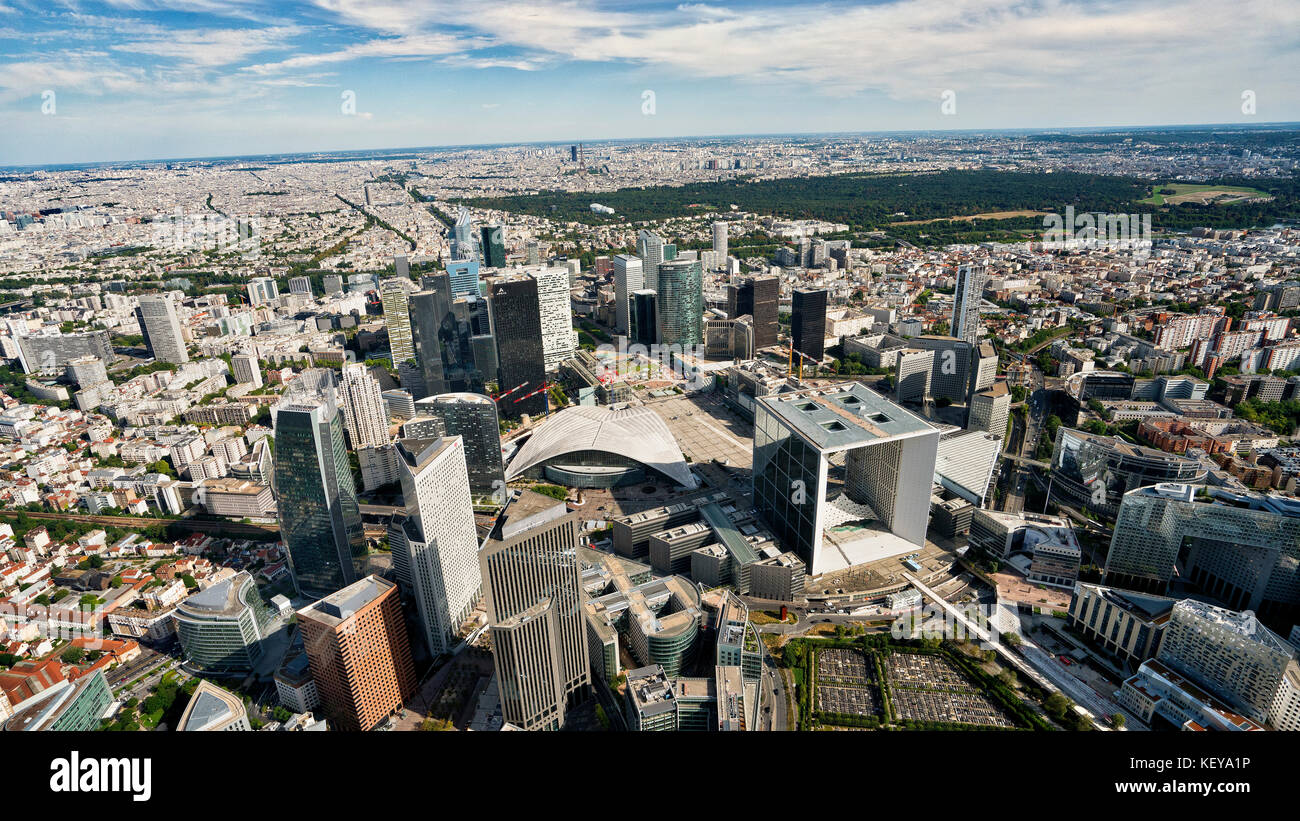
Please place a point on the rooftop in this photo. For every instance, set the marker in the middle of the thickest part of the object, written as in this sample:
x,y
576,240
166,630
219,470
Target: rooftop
x,y
843,416
342,605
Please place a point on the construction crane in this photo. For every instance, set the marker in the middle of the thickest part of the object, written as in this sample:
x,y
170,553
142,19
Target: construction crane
x,y
544,387
499,396
793,364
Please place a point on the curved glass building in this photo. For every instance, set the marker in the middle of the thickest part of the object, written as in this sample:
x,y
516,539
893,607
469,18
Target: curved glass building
x,y
220,629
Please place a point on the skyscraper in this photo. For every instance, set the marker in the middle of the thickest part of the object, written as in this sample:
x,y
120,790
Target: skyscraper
x,y
394,295
521,357
757,297
808,322
556,315
494,246
628,278
320,521
441,541
365,415
161,329
971,277
359,653
464,242
681,303
473,417
464,277
720,242
533,587
643,318
950,376
650,248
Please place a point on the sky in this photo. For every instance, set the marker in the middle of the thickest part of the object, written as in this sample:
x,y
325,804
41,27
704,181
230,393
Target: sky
x,y
150,79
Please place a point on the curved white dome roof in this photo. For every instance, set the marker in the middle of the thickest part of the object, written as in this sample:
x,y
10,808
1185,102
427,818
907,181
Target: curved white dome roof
x,y
637,433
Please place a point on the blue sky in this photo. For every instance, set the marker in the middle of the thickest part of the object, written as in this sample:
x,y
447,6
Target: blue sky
x,y
140,79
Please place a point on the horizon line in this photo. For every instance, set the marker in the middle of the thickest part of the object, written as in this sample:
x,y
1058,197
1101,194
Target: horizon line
x,y
1099,129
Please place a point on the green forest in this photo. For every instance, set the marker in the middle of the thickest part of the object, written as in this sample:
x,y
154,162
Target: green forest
x,y
880,202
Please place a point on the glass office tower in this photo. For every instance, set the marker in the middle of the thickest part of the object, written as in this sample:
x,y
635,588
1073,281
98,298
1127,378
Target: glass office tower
x,y
320,521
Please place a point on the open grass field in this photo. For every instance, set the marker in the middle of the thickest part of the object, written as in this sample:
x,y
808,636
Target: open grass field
x,y
1202,194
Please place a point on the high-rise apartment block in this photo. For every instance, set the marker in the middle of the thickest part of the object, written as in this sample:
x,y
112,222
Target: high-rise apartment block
x,y
161,329
365,415
971,278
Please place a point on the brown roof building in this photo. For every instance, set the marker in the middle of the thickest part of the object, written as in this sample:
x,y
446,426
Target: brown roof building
x,y
359,653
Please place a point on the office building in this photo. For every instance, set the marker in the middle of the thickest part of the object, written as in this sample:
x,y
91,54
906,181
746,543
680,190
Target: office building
x,y
971,278
651,700
808,323
1124,624
359,653
628,279
1094,472
365,416
320,521
990,410
950,374
494,246
221,629
66,706
50,354
643,321
521,356
464,276
441,542
302,285
756,297
1242,549
161,329
888,456
650,248
473,417
1229,653
464,244
556,316
532,585
681,303
394,296
212,709
913,369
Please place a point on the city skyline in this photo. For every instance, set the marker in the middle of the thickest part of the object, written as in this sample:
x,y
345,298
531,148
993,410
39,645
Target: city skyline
x,y
120,81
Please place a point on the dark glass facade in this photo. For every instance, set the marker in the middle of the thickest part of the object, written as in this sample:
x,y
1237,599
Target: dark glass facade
x,y
757,297
521,364
320,521
808,322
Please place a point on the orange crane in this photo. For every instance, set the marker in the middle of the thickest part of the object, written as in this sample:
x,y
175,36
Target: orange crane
x,y
793,364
